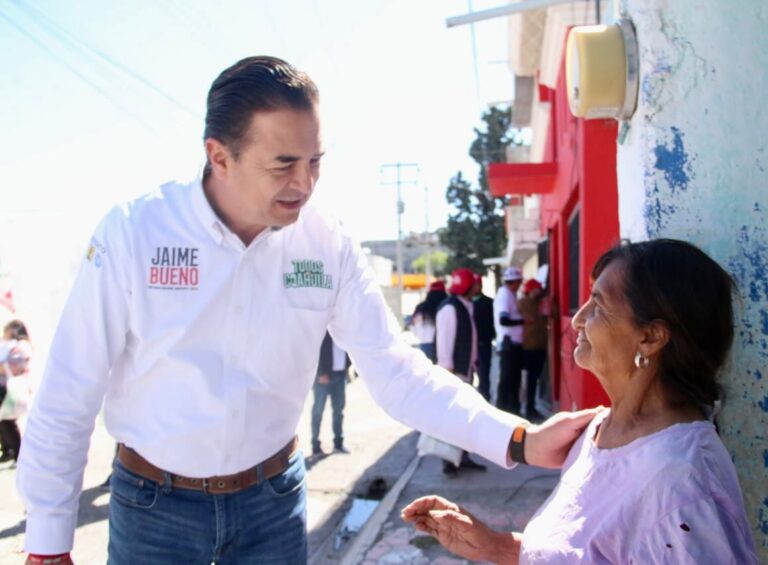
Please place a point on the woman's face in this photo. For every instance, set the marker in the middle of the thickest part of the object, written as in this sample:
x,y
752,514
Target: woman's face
x,y
608,338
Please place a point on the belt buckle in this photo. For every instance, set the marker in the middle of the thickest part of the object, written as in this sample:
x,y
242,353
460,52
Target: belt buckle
x,y
205,486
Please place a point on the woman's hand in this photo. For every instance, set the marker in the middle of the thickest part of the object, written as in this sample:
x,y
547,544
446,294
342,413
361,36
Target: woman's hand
x,y
459,531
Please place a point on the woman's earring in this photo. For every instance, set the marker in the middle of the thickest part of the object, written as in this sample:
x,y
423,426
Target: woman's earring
x,y
641,361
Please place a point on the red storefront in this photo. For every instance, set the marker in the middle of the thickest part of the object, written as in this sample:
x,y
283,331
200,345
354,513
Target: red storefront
x,y
579,221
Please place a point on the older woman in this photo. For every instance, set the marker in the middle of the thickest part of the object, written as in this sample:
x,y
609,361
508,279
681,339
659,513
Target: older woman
x,y
649,481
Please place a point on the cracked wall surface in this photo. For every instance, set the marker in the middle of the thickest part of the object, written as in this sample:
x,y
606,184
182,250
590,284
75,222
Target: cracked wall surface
x,y
694,166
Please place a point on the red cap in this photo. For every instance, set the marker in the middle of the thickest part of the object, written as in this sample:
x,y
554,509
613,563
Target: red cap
x,y
461,281
478,278
531,285
437,285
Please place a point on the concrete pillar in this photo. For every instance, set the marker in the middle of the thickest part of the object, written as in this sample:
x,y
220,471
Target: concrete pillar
x,y
694,166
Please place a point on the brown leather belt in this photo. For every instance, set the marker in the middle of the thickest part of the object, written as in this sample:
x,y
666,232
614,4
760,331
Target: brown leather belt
x,y
226,484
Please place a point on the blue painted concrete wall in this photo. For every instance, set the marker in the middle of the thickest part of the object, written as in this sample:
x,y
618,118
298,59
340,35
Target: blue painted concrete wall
x,y
694,166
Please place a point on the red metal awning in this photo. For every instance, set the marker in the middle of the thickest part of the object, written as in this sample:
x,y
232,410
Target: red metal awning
x,y
521,178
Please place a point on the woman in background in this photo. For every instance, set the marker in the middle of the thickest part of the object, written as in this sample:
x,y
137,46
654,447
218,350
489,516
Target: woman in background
x,y
423,319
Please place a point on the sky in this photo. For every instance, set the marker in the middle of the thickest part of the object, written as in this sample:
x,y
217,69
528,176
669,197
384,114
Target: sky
x,y
103,101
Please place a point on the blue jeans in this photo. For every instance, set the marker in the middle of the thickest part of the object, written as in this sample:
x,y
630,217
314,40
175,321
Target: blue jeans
x,y
265,523
334,389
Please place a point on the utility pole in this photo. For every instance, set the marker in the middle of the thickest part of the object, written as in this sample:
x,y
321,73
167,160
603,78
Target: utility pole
x,y
400,209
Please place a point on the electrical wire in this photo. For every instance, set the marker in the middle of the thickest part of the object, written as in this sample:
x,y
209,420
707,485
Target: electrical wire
x,y
26,33
65,36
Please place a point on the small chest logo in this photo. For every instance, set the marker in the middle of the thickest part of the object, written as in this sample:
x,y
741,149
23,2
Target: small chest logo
x,y
307,273
174,268
96,252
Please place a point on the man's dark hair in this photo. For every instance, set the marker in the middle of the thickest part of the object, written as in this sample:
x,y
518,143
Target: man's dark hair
x,y
17,329
677,283
428,308
255,84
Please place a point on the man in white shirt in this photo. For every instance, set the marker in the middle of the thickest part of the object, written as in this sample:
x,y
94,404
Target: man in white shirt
x,y
509,336
457,342
196,319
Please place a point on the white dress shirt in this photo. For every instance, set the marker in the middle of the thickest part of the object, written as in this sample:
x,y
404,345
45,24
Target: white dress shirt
x,y
203,351
505,302
446,337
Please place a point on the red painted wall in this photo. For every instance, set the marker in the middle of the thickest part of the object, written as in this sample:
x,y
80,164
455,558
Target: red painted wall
x,y
585,152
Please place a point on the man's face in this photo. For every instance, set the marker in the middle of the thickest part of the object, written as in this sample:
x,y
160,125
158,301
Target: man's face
x,y
514,286
271,178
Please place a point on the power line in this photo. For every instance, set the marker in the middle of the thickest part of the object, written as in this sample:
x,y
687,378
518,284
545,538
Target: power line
x,y
65,36
77,73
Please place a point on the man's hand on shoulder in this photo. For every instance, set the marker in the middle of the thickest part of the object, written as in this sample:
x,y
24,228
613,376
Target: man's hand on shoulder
x,y
547,444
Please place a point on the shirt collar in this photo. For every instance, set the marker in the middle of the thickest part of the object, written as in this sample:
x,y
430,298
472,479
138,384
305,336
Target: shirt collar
x,y
204,212
212,223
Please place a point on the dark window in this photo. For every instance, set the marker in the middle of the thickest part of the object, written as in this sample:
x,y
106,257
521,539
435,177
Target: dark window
x,y
573,262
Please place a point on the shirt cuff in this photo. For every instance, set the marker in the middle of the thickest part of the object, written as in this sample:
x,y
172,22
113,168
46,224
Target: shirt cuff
x,y
46,535
494,431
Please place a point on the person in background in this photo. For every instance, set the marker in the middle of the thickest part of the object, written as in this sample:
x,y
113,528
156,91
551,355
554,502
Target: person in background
x,y
534,343
15,364
649,480
509,340
457,342
331,381
486,332
423,318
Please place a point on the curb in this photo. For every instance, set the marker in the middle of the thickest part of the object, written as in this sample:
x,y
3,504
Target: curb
x,y
363,541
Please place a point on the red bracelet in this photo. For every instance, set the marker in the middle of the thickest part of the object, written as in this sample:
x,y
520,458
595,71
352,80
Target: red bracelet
x,y
48,559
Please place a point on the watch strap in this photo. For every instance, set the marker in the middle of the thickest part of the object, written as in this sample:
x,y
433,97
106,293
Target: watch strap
x,y
517,444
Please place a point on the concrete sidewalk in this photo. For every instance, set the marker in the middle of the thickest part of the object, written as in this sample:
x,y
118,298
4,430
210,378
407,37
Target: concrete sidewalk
x,y
505,500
